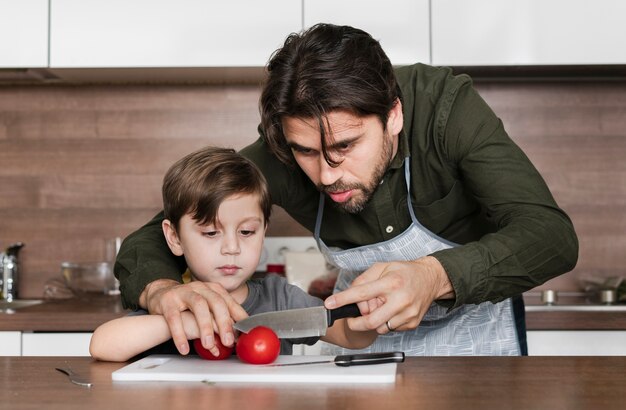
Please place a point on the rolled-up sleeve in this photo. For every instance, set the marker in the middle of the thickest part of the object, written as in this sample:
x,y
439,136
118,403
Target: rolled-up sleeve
x,y
534,241
143,258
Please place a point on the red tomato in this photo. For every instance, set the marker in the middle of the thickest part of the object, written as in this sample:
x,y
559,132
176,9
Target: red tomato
x,y
225,351
259,346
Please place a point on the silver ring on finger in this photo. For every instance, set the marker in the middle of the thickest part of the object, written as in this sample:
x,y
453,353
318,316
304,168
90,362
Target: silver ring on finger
x,y
391,329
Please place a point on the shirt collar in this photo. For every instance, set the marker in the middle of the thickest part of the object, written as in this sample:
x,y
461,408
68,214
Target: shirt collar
x,y
403,151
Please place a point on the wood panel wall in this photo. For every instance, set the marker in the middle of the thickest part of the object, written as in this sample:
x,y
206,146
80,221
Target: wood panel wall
x,y
575,134
81,164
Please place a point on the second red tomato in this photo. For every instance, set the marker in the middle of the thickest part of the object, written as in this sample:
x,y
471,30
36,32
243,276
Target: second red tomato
x,y
258,346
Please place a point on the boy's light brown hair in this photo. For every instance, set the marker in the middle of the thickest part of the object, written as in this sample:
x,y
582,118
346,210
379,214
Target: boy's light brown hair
x,y
198,184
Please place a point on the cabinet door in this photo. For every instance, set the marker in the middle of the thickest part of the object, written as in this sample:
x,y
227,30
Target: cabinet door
x,y
530,32
401,26
169,33
576,343
23,33
10,343
56,344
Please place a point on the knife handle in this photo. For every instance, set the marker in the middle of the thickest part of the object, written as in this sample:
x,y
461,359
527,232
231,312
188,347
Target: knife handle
x,y
369,358
351,310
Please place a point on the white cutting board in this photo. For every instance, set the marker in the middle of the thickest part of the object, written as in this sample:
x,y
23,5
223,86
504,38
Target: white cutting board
x,y
193,368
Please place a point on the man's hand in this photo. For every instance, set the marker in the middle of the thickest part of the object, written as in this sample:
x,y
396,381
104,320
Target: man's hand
x,y
394,293
212,306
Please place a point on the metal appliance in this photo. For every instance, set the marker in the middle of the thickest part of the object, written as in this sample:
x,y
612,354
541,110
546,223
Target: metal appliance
x,y
10,272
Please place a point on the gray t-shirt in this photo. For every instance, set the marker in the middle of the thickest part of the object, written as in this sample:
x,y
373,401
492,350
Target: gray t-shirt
x,y
273,293
267,294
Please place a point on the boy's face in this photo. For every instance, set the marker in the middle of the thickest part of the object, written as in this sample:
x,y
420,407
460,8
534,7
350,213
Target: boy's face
x,y
226,252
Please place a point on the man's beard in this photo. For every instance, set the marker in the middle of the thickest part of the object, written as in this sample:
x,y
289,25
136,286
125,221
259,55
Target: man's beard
x,y
356,205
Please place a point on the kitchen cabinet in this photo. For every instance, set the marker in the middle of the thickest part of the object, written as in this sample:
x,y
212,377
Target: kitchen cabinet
x,y
531,32
23,33
576,343
56,344
401,26
168,33
10,343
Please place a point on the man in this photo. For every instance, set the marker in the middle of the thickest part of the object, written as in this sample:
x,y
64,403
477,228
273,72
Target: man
x,y
437,220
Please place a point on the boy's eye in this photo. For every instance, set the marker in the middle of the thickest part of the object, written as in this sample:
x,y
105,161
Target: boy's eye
x,y
210,233
247,232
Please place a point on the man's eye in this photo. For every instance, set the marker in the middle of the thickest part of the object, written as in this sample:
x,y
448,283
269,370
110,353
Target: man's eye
x,y
302,151
344,147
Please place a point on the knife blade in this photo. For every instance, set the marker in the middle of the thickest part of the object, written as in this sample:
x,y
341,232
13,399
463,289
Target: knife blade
x,y
354,359
295,323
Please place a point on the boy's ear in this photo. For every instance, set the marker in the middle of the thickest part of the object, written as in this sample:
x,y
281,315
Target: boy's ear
x,y
172,237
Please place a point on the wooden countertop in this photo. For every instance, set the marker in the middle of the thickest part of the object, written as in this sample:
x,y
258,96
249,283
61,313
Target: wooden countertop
x,y
422,383
74,315
68,315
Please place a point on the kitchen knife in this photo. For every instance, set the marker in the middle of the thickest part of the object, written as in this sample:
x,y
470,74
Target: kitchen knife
x,y
295,323
355,359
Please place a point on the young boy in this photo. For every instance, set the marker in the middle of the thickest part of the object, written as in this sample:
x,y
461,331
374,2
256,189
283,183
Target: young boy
x,y
217,207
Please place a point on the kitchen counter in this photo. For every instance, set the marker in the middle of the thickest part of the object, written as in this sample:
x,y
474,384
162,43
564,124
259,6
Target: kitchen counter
x,y
422,383
75,315
68,315
573,312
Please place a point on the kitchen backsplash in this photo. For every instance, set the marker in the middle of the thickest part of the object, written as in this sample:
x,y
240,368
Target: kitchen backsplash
x,y
80,164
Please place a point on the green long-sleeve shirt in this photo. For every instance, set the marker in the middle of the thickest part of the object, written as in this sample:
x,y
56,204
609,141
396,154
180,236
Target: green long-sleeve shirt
x,y
470,184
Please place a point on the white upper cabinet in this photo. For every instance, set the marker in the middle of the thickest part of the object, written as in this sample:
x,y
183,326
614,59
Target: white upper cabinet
x,y
401,26
528,32
169,33
23,33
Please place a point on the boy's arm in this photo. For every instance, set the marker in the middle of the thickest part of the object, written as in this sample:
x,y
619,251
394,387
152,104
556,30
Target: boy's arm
x,y
121,339
341,335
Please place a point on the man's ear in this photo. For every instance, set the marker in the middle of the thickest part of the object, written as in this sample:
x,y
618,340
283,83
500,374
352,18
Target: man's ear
x,y
172,237
395,121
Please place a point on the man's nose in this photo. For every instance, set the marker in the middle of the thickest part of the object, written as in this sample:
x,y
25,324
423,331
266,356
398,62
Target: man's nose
x,y
230,245
329,174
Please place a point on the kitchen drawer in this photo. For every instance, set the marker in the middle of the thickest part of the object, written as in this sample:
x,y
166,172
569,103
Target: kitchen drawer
x,y
10,343
56,344
577,343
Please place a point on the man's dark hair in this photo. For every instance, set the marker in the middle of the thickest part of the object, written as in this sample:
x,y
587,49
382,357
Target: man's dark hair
x,y
323,69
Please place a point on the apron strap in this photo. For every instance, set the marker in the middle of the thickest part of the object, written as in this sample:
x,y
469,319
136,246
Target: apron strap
x,y
318,220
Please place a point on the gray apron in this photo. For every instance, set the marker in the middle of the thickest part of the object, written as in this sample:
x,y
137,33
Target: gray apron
x,y
470,330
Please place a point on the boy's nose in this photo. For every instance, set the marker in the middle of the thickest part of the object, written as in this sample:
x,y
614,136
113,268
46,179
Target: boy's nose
x,y
230,245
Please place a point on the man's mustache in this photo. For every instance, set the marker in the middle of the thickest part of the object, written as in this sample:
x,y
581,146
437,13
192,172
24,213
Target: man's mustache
x,y
339,186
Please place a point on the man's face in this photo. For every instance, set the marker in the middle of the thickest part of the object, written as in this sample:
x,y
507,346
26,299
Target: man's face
x,y
360,146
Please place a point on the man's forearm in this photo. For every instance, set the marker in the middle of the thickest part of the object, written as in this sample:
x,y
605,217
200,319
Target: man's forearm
x,y
143,258
442,284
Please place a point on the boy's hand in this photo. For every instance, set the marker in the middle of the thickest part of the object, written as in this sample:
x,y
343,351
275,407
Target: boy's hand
x,y
205,300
